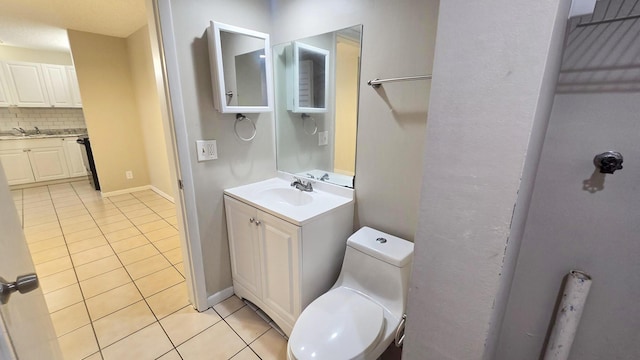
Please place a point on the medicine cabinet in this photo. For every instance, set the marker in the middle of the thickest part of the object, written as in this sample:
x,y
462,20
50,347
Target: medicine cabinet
x,y
241,71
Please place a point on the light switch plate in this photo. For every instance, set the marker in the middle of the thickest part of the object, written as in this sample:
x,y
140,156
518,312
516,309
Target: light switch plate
x,y
207,150
323,138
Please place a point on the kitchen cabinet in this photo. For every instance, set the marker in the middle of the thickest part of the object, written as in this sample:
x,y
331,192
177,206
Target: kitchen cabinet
x,y
73,154
48,163
32,160
57,83
26,84
74,87
5,100
279,265
17,166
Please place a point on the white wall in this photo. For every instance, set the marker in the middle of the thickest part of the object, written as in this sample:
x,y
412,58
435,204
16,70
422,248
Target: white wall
x,y
238,162
490,98
398,40
570,228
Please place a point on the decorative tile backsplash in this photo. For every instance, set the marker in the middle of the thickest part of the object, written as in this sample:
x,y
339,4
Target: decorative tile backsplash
x,y
43,118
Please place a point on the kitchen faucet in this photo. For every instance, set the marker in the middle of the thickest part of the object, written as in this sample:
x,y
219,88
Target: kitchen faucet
x,y
302,185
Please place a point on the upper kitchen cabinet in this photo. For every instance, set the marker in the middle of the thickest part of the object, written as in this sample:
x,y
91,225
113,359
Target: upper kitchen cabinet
x,y
38,85
4,90
76,101
26,84
55,78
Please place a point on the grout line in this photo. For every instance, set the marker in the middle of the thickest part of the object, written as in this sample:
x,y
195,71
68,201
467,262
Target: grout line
x,y
95,335
144,298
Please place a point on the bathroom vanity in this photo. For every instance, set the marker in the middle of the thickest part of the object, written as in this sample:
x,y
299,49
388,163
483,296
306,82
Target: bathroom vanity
x,y
286,245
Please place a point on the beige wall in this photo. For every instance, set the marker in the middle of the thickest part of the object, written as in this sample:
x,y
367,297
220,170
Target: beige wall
x,y
38,56
346,123
144,85
109,103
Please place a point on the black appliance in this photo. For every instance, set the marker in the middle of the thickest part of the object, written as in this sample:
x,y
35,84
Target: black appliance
x,y
89,164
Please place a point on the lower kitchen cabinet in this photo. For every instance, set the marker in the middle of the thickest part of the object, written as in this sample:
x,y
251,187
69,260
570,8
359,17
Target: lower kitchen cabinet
x,y
48,163
73,153
31,160
17,166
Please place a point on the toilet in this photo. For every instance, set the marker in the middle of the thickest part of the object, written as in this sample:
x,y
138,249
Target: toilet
x,y
358,317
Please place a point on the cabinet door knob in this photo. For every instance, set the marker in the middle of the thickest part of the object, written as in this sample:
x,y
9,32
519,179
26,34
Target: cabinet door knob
x,y
251,220
258,223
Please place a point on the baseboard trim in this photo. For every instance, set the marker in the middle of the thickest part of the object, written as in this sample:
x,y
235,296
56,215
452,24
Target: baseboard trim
x,y
162,193
48,182
126,191
220,296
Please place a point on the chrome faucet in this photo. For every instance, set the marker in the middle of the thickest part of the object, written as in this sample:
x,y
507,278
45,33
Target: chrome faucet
x,y
21,130
37,130
324,177
302,185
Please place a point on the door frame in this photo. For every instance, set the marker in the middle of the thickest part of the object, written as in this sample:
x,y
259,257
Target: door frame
x,y
165,61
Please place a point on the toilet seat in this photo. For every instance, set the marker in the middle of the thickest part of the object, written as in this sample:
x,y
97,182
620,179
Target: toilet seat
x,y
341,324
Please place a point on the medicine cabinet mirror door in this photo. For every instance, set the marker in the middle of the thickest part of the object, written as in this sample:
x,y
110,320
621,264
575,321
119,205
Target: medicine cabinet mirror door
x,y
308,69
241,70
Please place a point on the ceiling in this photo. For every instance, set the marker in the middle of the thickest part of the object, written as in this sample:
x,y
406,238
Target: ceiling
x,y
42,24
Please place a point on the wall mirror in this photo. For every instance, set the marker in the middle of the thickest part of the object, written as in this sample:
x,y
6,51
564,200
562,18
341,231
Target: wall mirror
x,y
317,139
308,78
241,70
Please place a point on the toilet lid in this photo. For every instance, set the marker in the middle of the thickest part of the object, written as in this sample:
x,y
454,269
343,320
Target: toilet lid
x,y
340,324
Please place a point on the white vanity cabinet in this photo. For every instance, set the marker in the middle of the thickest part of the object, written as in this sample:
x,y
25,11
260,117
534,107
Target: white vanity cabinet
x,y
282,263
265,258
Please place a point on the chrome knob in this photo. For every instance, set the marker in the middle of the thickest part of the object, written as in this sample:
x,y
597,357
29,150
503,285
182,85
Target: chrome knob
x,y
251,220
258,223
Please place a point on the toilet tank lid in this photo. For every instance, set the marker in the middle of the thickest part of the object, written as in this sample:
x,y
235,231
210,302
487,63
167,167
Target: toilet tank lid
x,y
383,246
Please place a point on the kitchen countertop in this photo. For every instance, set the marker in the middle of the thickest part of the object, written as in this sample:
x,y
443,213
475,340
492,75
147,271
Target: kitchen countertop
x,y
46,134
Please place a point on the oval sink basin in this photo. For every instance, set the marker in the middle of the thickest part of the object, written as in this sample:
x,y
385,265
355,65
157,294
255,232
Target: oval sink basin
x,y
293,197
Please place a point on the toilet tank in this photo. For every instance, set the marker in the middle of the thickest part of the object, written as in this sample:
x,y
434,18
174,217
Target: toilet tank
x,y
378,265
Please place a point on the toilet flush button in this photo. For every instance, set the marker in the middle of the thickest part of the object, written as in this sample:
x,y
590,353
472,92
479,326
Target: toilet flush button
x,y
381,240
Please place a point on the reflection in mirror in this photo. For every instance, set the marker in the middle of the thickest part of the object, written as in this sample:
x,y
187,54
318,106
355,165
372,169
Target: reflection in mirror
x,y
240,69
318,139
309,69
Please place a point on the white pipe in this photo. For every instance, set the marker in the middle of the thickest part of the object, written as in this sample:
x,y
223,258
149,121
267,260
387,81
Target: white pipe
x,y
568,316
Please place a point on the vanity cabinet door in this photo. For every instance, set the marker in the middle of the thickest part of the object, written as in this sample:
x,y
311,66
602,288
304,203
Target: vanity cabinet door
x,y
243,245
48,163
17,166
280,248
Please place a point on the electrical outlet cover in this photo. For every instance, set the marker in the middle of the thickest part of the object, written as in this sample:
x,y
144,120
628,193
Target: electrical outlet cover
x,y
323,138
207,150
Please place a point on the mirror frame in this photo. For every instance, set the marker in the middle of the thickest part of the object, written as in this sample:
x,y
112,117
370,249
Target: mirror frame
x,y
295,81
217,70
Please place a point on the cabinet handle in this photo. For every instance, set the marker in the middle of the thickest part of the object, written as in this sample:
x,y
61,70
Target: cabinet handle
x,y
251,220
258,223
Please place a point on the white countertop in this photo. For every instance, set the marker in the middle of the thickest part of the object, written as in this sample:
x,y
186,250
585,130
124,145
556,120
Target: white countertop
x,y
320,201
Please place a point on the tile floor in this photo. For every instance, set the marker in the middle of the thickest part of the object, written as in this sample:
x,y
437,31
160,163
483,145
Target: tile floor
x,y
112,275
